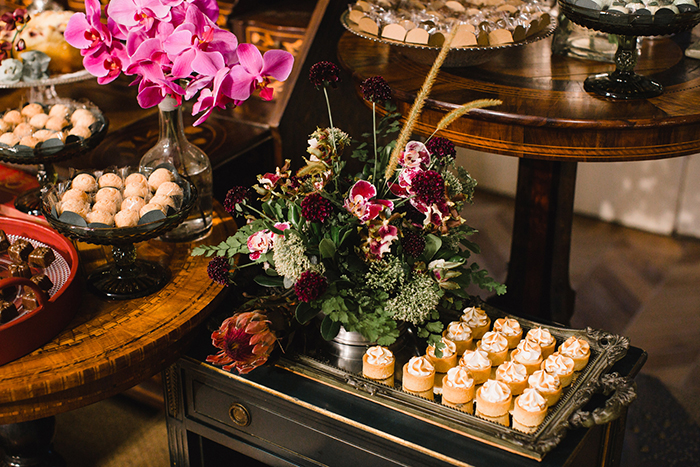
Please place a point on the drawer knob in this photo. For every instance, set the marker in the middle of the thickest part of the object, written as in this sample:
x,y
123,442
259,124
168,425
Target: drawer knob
x,y
239,414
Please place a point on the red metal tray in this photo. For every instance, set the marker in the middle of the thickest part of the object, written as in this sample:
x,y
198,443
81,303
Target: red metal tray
x,y
32,329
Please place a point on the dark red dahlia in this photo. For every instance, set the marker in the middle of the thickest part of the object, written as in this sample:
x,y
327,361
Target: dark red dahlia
x,y
310,286
413,243
376,89
245,340
234,197
316,208
218,269
429,187
324,74
441,148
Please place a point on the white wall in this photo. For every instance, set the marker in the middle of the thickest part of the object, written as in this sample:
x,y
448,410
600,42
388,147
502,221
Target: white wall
x,y
661,196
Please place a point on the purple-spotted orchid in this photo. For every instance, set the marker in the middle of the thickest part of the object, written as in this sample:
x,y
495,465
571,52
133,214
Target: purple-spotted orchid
x,y
360,203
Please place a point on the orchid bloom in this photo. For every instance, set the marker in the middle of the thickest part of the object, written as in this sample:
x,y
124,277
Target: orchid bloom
x,y
254,71
415,156
86,32
359,201
209,99
199,45
259,243
381,239
444,271
106,64
138,15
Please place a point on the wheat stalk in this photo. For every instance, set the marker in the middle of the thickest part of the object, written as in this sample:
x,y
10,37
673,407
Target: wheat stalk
x,y
417,107
458,112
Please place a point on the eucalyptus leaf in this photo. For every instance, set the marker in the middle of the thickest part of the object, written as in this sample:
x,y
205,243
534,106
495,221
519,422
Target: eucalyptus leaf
x,y
329,328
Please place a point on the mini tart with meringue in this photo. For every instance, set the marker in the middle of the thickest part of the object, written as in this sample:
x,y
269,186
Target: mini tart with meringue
x,y
578,349
547,385
478,364
529,409
378,363
495,345
560,365
529,354
493,399
458,388
514,375
544,338
460,333
448,359
510,328
418,375
477,320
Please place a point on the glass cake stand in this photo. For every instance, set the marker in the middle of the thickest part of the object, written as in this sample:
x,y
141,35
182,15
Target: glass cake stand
x,y
126,277
624,83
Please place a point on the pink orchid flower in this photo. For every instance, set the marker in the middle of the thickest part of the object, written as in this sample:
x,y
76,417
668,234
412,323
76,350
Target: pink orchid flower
x,y
415,156
381,241
198,45
359,201
405,178
138,14
259,243
106,64
86,32
209,99
254,72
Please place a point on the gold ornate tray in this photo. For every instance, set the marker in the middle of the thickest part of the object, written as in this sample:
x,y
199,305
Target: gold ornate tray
x,y
606,349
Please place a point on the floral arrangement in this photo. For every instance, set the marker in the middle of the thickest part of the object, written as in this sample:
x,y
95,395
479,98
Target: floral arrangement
x,y
364,251
33,64
176,49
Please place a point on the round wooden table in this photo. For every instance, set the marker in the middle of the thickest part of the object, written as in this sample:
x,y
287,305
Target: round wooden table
x,y
111,346
551,124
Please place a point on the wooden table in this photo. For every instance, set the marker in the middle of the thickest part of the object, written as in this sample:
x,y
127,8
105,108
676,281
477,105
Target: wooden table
x,y
550,123
111,346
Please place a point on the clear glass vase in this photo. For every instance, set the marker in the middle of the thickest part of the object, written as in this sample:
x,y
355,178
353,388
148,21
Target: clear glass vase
x,y
190,161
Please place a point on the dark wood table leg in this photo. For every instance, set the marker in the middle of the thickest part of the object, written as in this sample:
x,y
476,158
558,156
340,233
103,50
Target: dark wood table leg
x,y
29,444
538,270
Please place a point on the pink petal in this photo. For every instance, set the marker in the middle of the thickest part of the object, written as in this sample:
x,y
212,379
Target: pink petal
x,y
278,64
250,58
363,188
75,31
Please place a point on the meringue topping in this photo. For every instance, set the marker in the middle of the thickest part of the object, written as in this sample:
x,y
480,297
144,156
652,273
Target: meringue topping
x,y
527,351
507,326
420,366
494,391
543,381
379,355
477,359
475,317
575,347
459,377
540,335
448,349
511,372
494,341
458,331
532,401
558,364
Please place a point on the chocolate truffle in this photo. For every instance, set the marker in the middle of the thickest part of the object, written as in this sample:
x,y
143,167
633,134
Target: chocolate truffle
x,y
160,176
41,257
110,194
32,109
8,311
100,217
75,193
137,178
43,281
169,189
13,117
9,139
135,189
133,203
126,218
39,120
110,179
29,300
85,182
20,250
20,270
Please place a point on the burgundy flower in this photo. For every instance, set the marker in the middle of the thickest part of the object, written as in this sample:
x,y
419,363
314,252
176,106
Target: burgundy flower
x,y
413,243
441,148
245,340
324,74
375,89
234,197
21,16
429,187
310,286
218,269
316,208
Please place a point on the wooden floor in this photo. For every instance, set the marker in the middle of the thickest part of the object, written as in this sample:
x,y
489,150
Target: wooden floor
x,y
640,285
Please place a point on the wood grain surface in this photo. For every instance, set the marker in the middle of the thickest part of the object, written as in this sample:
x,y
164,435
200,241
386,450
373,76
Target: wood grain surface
x,y
546,114
113,345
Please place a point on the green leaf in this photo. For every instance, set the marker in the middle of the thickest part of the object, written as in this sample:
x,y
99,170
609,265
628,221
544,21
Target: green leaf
x,y
432,245
305,312
327,248
198,251
471,246
267,281
329,328
267,209
434,327
295,214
